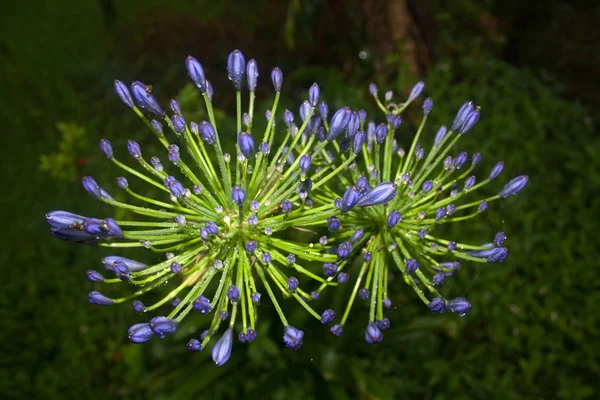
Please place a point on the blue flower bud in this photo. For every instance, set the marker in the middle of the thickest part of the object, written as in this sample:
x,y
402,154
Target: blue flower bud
x,y
427,105
202,304
381,133
387,303
250,335
459,305
134,148
175,106
469,182
286,206
330,269
207,132
350,199
328,316
440,213
255,296
209,90
388,96
438,279
476,159
288,118
482,206
196,73
451,246
362,184
437,305
305,163
427,186
106,148
222,350
266,257
123,93
469,123
343,277
233,293
223,315
357,235
122,182
292,337
156,164
251,74
499,239
339,121
382,193
359,141
373,89
175,267
441,133
277,78
90,185
313,94
498,256
393,218
411,266
95,276
337,203
373,334
333,224
132,265
236,65
112,229
100,299
145,99
138,306
246,143
292,283
315,295
514,186
421,233
174,155
353,125
323,110
63,219
238,194
364,293
254,206
157,126
140,333
304,110
462,115
93,226
176,188
162,326
383,324
460,160
343,250
194,345
250,246
291,258
178,124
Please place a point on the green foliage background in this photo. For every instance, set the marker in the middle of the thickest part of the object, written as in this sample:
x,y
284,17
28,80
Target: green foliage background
x,y
533,332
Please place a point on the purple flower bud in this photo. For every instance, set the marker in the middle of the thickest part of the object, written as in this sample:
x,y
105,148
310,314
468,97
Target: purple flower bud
x,y
233,293
451,246
63,219
339,121
253,220
459,305
157,126
333,224
174,155
441,133
330,269
363,293
223,315
304,110
156,164
202,304
387,303
469,123
460,160
469,182
514,186
238,194
134,149
323,110
251,74
343,278
292,337
145,99
438,279
358,141
381,133
175,107
421,233
132,265
476,159
196,73
106,148
194,345
176,188
388,96
343,250
350,199
140,333
411,266
207,132
373,334
95,276
499,239
313,94
277,78
266,257
178,124
382,193
255,296
209,90
353,125
393,218
286,206
222,350
254,205
450,209
427,186
440,213
292,283
383,324
162,326
373,89
264,148
416,91
250,246
498,256
437,305
427,105
122,182
246,143
462,115
288,118
328,316
100,299
90,185
362,184
482,206
305,163
175,267
111,228
236,65
123,93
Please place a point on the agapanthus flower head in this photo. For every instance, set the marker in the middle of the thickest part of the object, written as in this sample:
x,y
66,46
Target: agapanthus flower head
x,y
221,219
404,195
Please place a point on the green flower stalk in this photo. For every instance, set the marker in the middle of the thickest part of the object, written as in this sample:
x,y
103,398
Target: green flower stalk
x,y
391,201
222,221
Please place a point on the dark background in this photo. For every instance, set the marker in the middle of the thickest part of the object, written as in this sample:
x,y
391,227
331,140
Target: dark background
x,y
532,66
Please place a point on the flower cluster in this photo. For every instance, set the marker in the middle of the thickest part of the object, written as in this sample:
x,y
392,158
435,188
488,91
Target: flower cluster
x,y
223,224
